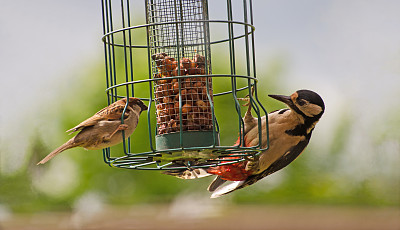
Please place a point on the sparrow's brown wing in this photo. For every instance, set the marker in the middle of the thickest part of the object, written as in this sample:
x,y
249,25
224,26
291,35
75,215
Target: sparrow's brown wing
x,y
109,113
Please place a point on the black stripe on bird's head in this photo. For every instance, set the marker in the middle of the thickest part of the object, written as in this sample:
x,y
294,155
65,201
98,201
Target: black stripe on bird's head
x,y
304,102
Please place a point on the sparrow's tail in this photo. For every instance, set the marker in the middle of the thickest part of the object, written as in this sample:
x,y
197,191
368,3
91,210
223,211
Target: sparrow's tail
x,y
67,145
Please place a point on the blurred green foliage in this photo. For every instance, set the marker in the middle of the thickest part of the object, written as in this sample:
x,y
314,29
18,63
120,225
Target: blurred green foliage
x,y
299,183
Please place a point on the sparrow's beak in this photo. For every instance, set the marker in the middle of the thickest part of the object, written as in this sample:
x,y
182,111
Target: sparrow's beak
x,y
143,107
285,99
137,101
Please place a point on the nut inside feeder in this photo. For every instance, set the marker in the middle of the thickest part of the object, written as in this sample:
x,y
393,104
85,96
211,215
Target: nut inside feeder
x,y
180,50
183,102
191,91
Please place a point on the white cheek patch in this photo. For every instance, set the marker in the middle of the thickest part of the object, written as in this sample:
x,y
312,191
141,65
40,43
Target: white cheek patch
x,y
311,110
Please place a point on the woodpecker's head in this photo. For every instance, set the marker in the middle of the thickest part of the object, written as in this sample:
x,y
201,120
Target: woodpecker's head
x,y
304,102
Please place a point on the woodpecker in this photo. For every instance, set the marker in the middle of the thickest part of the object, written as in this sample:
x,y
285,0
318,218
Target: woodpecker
x,y
290,131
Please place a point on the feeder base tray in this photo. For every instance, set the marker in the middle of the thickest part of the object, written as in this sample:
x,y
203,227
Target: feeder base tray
x,y
189,139
184,158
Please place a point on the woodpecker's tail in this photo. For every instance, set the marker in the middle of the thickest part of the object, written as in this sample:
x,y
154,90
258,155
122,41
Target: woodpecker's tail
x,y
188,173
67,145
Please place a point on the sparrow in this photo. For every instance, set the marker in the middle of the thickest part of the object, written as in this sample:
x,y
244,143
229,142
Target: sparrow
x,y
104,129
290,131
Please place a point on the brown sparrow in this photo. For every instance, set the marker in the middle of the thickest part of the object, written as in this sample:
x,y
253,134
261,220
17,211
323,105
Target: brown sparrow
x,y
103,129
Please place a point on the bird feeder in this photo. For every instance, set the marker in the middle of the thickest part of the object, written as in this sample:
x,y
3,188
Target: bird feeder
x,y
176,43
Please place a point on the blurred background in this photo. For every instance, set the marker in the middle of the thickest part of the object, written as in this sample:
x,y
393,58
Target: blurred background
x,y
52,77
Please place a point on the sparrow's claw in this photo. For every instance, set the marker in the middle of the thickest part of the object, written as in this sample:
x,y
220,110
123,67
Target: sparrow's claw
x,y
120,128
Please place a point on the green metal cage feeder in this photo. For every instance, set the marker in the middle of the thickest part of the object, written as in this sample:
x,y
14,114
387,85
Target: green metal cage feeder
x,y
179,88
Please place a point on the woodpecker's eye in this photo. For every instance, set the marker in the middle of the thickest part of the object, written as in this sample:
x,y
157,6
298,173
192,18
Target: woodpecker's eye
x,y
301,102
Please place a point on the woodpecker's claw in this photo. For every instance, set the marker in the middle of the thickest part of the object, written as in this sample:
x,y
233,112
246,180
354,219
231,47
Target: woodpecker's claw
x,y
247,98
253,163
252,158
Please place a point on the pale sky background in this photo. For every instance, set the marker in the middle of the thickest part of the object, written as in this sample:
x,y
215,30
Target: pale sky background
x,y
347,51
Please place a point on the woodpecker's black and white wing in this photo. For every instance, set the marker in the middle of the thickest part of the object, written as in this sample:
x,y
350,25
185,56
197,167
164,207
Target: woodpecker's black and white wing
x,y
215,184
282,162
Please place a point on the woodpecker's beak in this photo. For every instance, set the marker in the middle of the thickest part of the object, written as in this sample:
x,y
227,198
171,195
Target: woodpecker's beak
x,y
285,99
